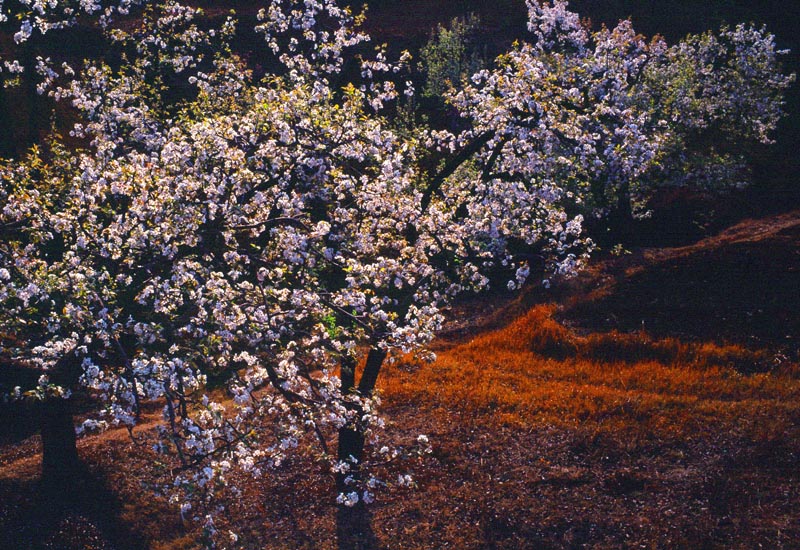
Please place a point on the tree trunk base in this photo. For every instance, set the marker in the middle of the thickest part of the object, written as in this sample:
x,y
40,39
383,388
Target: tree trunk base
x,y
354,528
61,466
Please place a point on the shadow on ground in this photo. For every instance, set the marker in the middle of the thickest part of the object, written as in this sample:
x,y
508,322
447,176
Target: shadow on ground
x,y
83,516
739,286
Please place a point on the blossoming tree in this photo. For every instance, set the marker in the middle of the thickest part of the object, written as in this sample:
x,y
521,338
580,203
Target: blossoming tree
x,y
611,116
53,223
281,237
273,234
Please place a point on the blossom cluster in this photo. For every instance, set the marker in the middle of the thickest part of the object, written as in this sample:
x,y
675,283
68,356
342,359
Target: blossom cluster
x,y
28,19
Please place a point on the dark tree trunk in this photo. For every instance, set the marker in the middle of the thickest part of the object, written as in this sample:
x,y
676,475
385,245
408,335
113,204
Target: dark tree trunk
x,y
371,371
621,220
351,446
353,525
7,148
353,528
624,211
60,462
351,436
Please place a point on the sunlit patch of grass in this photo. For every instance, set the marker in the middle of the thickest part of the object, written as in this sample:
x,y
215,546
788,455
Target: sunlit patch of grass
x,y
535,370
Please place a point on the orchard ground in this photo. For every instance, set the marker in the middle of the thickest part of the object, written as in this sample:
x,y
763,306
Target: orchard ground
x,y
652,403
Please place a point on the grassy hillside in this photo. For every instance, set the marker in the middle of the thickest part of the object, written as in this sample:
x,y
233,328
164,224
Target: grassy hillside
x,y
551,426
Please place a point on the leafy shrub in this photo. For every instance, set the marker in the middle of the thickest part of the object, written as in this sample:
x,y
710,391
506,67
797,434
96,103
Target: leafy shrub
x,y
450,56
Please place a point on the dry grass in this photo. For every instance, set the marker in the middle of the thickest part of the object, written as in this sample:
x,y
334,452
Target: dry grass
x,y
536,370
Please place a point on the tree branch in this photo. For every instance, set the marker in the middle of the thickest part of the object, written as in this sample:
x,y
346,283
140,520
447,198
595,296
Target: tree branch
x,y
452,165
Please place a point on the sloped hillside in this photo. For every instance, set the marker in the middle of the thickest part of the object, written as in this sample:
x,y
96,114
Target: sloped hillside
x,y
555,424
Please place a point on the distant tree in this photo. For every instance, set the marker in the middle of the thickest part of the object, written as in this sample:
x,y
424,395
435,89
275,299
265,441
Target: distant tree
x,y
611,116
450,57
720,94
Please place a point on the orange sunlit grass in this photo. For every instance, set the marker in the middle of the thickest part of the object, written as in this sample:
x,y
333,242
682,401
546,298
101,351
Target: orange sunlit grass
x,y
536,370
